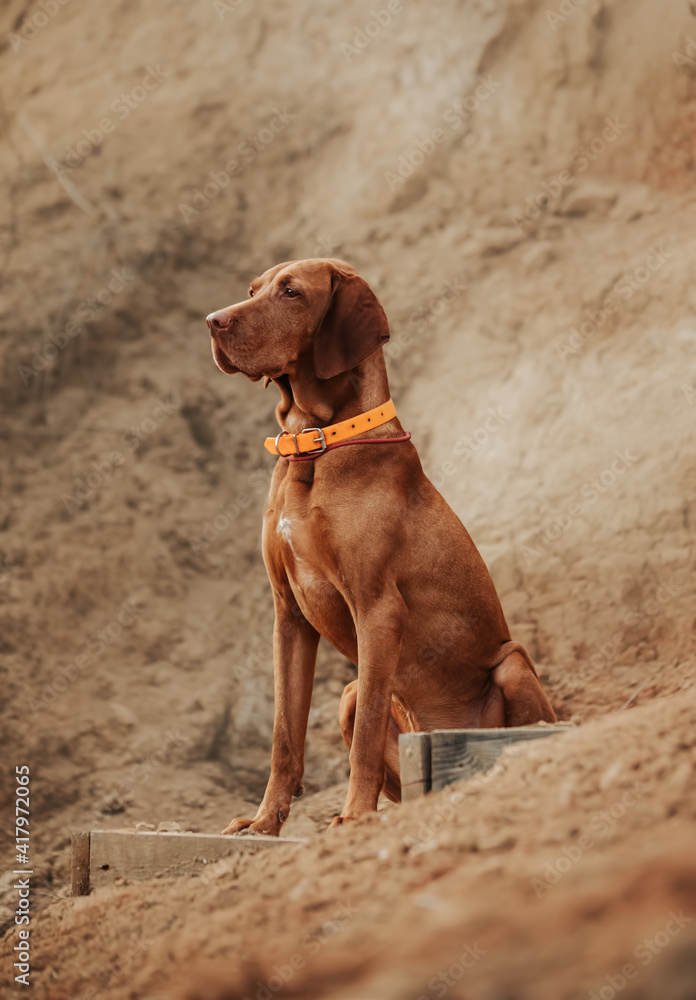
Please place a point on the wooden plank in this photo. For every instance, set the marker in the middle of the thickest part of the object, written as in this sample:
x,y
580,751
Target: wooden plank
x,y
80,862
414,763
458,754
113,854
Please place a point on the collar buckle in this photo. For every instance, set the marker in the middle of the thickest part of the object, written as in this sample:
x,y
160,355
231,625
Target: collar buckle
x,y
294,441
321,440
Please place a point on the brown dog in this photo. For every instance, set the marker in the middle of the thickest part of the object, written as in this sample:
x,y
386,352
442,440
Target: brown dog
x,y
360,547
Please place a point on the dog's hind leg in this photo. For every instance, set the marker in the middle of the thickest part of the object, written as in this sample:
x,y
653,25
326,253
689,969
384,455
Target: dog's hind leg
x,y
524,700
346,712
399,722
392,775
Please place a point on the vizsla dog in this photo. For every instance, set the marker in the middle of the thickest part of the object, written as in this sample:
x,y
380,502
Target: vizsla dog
x,y
360,547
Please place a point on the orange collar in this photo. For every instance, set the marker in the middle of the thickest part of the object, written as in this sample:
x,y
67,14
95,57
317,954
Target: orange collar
x,y
315,440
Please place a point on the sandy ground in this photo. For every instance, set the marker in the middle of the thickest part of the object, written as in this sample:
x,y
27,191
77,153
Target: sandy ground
x,y
517,185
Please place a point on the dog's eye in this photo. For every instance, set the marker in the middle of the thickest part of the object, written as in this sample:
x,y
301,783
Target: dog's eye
x,y
251,293
290,292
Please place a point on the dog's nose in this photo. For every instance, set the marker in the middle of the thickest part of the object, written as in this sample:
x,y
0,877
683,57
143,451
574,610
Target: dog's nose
x,y
218,321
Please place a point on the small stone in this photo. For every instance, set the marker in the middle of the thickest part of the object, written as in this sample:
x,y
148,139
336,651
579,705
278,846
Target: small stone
x,y
424,847
169,826
589,198
609,776
144,826
425,901
498,239
123,714
299,890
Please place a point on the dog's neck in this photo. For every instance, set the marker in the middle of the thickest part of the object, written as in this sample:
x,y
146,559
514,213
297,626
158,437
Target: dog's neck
x,y
308,401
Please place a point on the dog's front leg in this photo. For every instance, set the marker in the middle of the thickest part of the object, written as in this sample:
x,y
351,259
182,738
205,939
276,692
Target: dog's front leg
x,y
380,630
295,644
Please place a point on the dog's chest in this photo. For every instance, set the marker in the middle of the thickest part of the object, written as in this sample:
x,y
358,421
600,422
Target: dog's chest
x,y
297,534
292,523
295,538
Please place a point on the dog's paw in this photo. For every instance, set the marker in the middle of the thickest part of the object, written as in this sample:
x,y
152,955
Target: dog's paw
x,y
237,826
268,826
339,821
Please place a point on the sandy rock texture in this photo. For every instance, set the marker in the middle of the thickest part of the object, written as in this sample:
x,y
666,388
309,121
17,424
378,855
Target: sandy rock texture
x,y
515,180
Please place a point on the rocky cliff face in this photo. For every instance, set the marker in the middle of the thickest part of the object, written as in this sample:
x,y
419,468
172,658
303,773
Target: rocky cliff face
x,y
514,180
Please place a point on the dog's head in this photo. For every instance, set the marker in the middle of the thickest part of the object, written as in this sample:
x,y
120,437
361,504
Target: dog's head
x,y
315,311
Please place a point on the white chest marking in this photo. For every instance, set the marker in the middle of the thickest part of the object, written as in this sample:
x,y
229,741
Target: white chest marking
x,y
283,529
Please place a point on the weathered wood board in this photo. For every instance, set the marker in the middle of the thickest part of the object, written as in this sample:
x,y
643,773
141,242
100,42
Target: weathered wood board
x,y
414,763
456,755
430,761
101,856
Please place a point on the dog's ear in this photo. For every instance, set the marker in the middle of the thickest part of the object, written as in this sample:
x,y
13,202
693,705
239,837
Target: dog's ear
x,y
353,327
